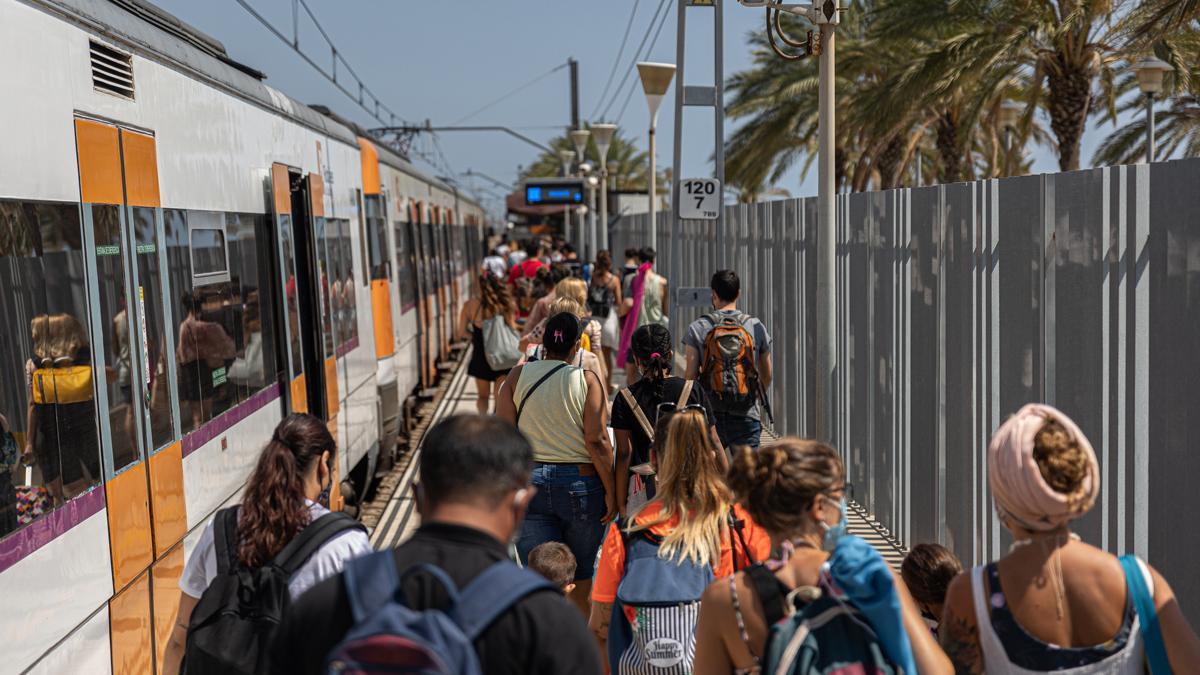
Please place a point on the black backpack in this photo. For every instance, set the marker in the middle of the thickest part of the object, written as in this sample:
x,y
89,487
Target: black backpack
x,y
600,300
236,617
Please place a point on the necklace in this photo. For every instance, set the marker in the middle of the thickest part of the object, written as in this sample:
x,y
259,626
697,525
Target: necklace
x,y
1056,575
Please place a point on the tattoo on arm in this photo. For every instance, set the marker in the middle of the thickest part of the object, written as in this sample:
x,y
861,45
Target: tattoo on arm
x,y
961,643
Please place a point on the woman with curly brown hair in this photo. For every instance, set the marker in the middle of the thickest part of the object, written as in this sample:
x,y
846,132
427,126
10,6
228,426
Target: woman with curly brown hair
x,y
288,489
1055,603
492,299
793,489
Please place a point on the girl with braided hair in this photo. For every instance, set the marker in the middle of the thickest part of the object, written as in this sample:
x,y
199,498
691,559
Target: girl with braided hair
x,y
637,408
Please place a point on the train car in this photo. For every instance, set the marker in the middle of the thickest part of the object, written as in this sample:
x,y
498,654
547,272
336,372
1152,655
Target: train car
x,y
184,259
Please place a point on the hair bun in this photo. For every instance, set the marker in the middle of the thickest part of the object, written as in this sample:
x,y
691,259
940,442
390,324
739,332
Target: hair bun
x,y
1062,463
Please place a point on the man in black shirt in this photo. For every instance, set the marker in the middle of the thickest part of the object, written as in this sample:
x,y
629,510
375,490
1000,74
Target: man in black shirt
x,y
473,492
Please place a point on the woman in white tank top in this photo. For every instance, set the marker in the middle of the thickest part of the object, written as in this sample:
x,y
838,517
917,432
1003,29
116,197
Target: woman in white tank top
x,y
1054,603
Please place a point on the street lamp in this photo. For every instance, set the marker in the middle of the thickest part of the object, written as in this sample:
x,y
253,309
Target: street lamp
x,y
603,133
580,138
1009,117
567,158
656,79
1150,72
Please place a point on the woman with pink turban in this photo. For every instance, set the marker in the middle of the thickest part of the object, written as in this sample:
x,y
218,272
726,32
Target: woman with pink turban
x,y
1055,603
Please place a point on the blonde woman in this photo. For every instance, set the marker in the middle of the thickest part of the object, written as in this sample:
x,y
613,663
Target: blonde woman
x,y
692,519
491,299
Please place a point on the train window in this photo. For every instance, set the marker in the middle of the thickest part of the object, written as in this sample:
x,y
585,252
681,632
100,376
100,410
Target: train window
x,y
406,274
376,237
290,290
44,340
253,365
151,301
326,282
349,290
116,339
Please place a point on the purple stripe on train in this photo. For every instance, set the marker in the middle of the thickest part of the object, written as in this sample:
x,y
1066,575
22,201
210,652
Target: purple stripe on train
x,y
347,347
225,421
16,546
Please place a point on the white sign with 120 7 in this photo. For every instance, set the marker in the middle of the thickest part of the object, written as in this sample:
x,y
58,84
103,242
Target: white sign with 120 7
x,y
701,199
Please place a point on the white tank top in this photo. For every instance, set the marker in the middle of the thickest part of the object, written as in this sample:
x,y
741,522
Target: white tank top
x,y
1129,661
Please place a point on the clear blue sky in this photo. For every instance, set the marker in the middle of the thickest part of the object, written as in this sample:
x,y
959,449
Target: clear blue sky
x,y
442,59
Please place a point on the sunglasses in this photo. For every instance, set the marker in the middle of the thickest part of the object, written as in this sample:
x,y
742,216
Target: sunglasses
x,y
670,408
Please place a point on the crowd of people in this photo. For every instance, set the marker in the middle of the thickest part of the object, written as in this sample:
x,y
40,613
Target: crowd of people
x,y
594,525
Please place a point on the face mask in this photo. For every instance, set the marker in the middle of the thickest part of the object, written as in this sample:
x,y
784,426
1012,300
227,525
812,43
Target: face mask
x,y
834,533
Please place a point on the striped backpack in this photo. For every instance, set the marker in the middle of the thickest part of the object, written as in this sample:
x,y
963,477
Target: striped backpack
x,y
653,625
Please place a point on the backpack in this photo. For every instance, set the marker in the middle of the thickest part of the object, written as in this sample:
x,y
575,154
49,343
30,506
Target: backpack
x,y
388,636
653,624
728,371
825,636
600,300
236,617
524,293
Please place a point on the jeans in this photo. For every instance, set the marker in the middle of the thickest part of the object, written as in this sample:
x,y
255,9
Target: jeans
x,y
738,430
569,508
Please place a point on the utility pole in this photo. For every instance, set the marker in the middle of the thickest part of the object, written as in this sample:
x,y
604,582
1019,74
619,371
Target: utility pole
x,y
826,337
574,65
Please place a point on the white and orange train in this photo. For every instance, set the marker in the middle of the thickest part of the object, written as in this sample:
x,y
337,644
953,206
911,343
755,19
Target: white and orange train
x,y
186,255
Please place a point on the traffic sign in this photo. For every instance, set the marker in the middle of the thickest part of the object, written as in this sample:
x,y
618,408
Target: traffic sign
x,y
701,199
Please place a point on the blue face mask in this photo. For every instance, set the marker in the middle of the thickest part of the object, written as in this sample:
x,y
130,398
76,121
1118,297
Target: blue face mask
x,y
834,533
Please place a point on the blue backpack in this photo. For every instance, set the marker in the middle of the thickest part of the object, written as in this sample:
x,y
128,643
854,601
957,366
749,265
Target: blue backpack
x,y
653,625
388,636
827,636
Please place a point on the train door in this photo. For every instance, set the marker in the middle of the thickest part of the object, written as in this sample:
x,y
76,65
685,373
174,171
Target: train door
x,y
137,398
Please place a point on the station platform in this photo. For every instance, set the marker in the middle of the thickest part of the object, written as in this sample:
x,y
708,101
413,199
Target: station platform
x,y
398,518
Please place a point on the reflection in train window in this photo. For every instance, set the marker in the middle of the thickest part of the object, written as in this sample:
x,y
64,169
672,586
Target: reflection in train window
x,y
116,340
406,272
222,352
325,282
150,298
376,236
349,285
290,291
49,443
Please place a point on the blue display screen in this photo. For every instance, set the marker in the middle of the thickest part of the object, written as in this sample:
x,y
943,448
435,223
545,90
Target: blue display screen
x,y
553,194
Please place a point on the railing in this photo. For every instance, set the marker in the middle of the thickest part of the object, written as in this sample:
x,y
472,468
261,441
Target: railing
x,y
959,303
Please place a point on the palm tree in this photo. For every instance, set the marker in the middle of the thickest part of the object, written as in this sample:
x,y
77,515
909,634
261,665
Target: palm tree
x,y
631,162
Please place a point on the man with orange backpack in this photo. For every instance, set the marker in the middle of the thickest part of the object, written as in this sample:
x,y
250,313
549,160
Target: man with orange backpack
x,y
729,353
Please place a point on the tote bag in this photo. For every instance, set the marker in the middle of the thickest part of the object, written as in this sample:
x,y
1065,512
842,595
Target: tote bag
x,y
501,344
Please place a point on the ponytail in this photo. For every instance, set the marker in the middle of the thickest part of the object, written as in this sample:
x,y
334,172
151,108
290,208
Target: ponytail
x,y
651,346
273,509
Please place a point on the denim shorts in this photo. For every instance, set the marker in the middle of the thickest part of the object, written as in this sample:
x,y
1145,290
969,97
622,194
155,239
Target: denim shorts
x,y
738,430
569,508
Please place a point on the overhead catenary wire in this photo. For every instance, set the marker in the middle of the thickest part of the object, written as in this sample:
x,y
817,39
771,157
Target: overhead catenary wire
x,y
649,51
633,63
331,74
510,94
612,74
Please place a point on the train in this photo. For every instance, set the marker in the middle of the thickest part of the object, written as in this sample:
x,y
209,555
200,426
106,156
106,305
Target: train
x,y
187,255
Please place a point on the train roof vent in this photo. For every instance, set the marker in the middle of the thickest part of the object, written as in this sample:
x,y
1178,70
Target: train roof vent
x,y
112,71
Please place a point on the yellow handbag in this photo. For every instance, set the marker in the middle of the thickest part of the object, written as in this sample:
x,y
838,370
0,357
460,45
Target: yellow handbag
x,y
72,384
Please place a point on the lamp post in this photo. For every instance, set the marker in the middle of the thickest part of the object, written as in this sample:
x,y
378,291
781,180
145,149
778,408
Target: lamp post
x,y
656,79
592,182
566,157
580,138
1009,116
603,133
1150,72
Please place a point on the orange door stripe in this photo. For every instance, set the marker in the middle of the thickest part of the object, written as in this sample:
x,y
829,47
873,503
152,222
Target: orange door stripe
x,y
166,494
129,530
141,169
381,308
370,167
165,577
99,162
316,195
299,395
331,387
130,629
281,189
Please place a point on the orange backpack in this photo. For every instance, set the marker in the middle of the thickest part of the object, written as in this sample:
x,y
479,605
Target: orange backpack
x,y
728,371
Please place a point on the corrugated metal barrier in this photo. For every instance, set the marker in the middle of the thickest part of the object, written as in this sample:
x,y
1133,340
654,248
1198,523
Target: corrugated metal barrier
x,y
959,303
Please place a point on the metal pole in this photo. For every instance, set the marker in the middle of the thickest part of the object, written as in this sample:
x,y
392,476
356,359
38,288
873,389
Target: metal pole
x,y
826,359
592,220
674,264
1149,128
567,224
719,84
574,92
604,208
653,188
